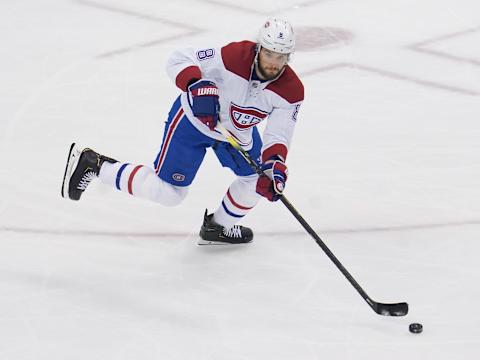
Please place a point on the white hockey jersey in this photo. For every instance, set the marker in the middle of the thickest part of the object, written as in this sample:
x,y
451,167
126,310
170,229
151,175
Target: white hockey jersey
x,y
244,102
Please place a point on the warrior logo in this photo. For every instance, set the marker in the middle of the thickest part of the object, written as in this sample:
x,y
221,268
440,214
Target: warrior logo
x,y
246,117
207,91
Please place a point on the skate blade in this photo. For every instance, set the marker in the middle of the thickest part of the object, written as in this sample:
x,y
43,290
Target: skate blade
x,y
72,161
214,243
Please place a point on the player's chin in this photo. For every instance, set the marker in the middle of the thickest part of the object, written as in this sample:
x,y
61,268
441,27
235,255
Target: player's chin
x,y
272,74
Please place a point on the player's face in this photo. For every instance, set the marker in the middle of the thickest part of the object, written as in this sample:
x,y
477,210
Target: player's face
x,y
270,64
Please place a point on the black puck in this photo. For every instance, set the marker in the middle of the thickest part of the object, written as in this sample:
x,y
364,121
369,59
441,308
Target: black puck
x,y
415,328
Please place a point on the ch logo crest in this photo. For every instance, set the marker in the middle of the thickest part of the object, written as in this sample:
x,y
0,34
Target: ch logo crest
x,y
246,117
178,177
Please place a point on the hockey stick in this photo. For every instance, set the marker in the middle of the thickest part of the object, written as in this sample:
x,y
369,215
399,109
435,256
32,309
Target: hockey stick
x,y
398,309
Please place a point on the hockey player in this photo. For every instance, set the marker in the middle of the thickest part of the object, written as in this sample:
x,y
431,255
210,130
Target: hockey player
x,y
239,85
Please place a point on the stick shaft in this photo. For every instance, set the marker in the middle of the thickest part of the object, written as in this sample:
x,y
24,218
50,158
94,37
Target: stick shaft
x,y
300,219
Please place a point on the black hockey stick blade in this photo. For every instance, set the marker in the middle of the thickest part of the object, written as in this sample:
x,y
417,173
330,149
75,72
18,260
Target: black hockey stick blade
x,y
399,309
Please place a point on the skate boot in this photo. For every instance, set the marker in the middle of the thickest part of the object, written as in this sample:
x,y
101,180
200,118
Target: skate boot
x,y
82,167
212,233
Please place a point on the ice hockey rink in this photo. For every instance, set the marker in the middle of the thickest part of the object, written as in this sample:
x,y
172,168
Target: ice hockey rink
x,y
384,165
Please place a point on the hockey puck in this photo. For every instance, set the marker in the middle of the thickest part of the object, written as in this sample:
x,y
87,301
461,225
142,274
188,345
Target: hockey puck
x,y
415,328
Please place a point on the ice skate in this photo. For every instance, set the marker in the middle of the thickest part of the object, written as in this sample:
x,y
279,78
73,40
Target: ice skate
x,y
82,167
212,233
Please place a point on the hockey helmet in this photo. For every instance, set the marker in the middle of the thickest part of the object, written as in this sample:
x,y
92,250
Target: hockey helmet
x,y
277,35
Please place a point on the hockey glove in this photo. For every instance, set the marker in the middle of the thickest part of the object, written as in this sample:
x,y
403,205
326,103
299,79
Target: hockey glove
x,y
203,97
271,184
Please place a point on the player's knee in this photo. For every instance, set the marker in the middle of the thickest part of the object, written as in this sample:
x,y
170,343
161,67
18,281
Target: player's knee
x,y
246,183
174,196
248,179
244,187
162,192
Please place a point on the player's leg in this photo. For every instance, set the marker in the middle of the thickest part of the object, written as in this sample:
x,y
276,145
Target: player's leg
x,y
176,164
86,165
239,199
166,183
142,181
182,152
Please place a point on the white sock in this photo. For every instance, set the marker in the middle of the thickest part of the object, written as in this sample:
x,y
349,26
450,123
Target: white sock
x,y
240,198
141,181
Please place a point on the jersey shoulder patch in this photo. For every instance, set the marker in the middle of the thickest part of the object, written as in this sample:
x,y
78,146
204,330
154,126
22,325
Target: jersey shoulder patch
x,y
238,58
288,86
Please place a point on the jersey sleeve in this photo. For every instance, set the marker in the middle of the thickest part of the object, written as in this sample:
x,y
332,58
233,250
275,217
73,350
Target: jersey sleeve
x,y
186,64
278,133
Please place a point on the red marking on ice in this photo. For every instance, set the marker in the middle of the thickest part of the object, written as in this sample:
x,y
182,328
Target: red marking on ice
x,y
392,75
422,47
188,29
235,7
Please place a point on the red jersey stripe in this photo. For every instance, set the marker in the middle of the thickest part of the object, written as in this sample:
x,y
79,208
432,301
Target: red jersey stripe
x,y
166,144
235,203
130,178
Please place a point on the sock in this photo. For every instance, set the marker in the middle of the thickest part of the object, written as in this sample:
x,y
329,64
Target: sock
x,y
141,181
240,198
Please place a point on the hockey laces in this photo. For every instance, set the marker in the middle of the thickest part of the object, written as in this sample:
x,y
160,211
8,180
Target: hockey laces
x,y
86,180
234,232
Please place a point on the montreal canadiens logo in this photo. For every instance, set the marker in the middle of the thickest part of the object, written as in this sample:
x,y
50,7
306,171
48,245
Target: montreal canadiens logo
x,y
246,117
178,177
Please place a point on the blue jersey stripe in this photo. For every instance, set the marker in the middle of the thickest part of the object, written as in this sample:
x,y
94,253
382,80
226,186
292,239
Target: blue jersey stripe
x,y
119,175
229,212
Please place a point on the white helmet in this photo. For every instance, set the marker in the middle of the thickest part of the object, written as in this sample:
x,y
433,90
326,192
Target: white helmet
x,y
277,35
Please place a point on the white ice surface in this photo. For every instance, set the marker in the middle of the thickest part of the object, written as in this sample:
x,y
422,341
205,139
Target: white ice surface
x,y
385,166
